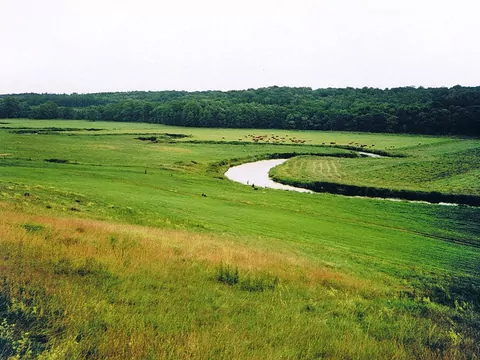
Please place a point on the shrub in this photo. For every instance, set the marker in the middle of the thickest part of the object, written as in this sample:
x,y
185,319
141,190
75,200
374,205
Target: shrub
x,y
145,138
58,161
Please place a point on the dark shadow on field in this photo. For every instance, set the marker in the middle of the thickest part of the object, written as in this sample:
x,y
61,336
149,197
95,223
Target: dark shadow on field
x,y
375,192
462,219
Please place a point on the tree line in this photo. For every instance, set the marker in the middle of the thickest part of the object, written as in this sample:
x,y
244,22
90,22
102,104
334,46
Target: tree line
x,y
439,111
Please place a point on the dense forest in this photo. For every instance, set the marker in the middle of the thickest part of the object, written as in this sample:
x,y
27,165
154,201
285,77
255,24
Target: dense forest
x,y
446,111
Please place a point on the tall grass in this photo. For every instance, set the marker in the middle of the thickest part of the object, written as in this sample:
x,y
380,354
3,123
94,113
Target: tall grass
x,y
77,288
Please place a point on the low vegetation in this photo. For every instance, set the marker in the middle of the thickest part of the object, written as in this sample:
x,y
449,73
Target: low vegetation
x,y
444,172
117,254
75,288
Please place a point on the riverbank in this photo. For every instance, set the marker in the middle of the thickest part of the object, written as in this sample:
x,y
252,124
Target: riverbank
x,y
258,174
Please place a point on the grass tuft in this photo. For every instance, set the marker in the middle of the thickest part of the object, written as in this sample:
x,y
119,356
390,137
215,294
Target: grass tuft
x,y
259,284
227,275
33,227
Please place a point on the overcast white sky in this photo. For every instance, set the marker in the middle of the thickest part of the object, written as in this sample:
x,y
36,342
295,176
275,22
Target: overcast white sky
x,y
118,45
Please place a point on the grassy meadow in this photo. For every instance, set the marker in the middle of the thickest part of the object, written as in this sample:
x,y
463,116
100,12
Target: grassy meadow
x,y
109,249
448,167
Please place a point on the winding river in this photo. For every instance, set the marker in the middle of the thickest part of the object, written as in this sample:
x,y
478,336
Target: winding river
x,y
256,174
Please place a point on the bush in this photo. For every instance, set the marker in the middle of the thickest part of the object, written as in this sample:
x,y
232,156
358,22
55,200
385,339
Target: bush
x,y
59,161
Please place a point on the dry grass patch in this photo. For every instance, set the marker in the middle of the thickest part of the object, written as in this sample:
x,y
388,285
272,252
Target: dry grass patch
x,y
145,247
80,288
99,289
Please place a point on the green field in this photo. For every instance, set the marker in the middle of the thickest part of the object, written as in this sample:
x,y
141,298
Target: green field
x,y
392,142
450,167
109,249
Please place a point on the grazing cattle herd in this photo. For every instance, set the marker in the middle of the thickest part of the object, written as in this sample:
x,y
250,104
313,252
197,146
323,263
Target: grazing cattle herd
x,y
277,139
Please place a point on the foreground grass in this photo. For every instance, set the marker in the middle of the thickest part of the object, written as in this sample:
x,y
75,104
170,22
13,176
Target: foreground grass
x,y
128,263
77,288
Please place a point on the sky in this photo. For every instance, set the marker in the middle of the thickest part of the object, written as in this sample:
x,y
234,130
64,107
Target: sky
x,y
83,46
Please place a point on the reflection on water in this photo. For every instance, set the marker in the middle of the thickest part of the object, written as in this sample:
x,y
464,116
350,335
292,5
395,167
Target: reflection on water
x,y
256,173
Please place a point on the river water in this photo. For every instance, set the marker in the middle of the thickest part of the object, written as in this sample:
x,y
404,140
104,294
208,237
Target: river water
x,y
256,174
